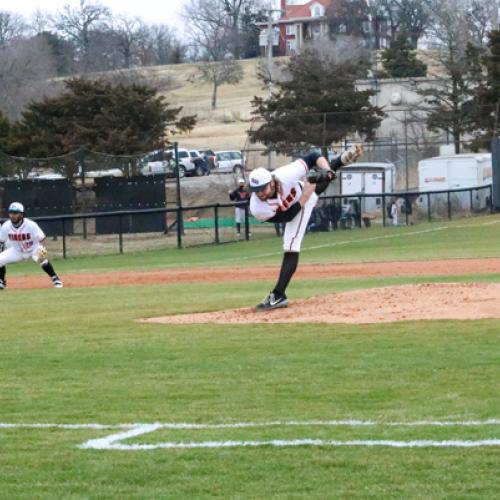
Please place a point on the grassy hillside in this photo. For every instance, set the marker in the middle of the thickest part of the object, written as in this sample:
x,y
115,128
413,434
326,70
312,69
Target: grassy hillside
x,y
224,127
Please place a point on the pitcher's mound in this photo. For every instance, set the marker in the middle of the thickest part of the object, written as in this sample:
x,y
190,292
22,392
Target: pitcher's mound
x,y
375,305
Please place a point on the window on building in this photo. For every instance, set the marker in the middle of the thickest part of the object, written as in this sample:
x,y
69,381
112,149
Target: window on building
x,y
291,29
291,47
317,10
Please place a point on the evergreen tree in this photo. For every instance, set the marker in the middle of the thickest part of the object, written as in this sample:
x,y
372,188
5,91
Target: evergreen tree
x,y
104,117
317,104
400,61
486,71
4,133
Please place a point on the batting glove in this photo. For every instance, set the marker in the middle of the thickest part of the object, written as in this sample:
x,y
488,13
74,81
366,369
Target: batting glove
x,y
352,154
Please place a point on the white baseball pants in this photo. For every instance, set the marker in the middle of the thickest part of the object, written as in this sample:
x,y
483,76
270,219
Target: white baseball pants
x,y
11,255
296,228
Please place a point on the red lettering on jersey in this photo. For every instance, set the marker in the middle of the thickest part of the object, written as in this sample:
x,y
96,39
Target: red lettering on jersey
x,y
20,237
288,200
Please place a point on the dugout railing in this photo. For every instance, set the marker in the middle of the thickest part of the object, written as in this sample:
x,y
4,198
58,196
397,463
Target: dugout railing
x,y
215,223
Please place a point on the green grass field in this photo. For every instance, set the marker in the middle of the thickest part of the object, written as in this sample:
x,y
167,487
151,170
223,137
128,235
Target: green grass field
x,y
78,356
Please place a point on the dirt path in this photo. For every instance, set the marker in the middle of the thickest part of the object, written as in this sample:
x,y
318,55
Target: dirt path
x,y
453,267
380,305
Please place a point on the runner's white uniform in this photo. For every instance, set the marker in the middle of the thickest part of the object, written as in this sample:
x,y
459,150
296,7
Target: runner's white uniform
x,y
21,242
290,177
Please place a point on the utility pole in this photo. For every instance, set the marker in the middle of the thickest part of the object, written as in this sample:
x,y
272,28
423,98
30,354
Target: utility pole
x,y
269,55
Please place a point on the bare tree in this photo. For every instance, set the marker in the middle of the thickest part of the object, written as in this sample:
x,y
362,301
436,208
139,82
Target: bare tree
x,y
129,31
12,27
217,73
482,17
396,18
448,103
40,22
414,18
78,23
26,68
220,27
210,30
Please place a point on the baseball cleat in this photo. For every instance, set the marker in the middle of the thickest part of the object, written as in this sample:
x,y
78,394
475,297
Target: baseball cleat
x,y
57,283
3,285
272,301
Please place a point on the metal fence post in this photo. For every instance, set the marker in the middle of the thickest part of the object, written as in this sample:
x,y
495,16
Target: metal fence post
x,y
449,205
471,202
358,219
179,227
384,212
216,224
120,233
247,223
491,200
64,237
429,218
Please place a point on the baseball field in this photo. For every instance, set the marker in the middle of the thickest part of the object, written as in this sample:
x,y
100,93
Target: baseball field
x,y
381,380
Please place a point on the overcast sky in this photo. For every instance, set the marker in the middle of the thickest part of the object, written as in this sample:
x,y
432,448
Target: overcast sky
x,y
151,11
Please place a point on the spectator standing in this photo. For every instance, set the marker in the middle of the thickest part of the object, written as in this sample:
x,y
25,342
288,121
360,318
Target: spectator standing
x,y
394,212
240,194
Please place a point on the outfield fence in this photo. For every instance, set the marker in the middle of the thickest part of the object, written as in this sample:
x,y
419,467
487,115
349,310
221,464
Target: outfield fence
x,y
98,233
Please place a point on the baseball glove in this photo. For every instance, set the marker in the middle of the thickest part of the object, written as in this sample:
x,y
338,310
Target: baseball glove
x,y
41,254
320,175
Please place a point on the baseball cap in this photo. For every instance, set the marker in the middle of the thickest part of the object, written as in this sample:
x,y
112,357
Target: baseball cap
x,y
259,179
241,180
16,207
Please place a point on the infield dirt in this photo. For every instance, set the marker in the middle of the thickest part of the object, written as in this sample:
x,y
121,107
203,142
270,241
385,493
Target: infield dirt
x,y
460,301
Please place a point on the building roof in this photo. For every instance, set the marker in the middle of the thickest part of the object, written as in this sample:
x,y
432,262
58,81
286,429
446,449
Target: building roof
x,y
303,11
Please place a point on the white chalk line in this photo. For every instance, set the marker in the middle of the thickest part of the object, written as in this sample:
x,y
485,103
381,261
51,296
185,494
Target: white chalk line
x,y
115,441
132,430
272,423
117,446
364,240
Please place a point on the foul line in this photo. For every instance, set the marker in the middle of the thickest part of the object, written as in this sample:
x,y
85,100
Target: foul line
x,y
363,240
116,440
272,423
105,445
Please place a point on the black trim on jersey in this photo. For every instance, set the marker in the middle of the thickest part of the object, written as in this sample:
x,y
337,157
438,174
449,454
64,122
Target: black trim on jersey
x,y
287,215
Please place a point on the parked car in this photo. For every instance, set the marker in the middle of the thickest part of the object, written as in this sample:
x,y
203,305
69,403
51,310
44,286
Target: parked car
x,y
209,156
161,162
229,161
158,163
200,164
186,166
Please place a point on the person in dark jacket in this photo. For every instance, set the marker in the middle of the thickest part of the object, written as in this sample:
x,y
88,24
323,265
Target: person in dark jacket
x,y
240,194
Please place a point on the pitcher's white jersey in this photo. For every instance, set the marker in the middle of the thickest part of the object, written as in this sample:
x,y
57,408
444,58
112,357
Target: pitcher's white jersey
x,y
24,239
289,177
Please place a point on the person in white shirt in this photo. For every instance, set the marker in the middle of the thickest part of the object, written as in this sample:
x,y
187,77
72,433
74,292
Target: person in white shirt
x,y
22,239
287,196
395,212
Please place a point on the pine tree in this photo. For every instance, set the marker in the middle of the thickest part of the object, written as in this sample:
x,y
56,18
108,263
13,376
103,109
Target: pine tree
x,y
4,133
317,104
400,61
109,118
487,91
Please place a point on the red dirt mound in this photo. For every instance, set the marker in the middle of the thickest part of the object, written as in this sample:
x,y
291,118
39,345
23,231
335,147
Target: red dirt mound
x,y
380,305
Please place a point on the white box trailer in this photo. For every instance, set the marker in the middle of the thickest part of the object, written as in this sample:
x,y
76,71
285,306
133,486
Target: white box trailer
x,y
455,172
368,178
443,173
